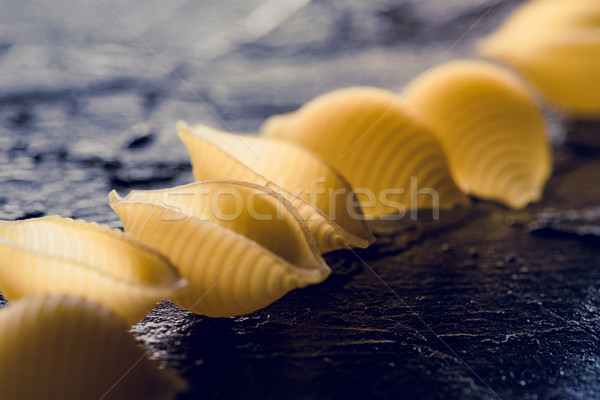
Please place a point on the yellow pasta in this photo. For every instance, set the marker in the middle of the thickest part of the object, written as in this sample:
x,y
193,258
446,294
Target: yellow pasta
x,y
536,22
241,246
388,155
555,45
323,197
61,255
491,129
61,347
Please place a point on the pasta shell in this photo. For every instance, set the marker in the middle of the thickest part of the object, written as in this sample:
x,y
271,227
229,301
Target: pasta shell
x,y
493,133
383,150
241,246
60,255
555,45
536,22
324,198
61,347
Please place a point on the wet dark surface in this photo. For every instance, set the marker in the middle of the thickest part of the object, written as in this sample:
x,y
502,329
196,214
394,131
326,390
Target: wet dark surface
x,y
500,304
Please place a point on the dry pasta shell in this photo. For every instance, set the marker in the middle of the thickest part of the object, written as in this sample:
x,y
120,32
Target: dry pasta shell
x,y
241,246
491,129
60,255
391,159
565,71
62,347
322,196
555,45
536,22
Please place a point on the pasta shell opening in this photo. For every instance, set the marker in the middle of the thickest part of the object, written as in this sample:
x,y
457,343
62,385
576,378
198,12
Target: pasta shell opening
x,y
241,246
61,255
324,198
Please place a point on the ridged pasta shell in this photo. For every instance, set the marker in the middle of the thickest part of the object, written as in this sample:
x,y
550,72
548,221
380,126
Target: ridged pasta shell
x,y
60,255
281,165
378,145
555,44
61,347
240,246
491,129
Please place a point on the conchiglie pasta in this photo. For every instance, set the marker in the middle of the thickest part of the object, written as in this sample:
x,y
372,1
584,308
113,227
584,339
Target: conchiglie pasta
x,y
60,255
555,45
240,246
491,129
322,196
61,347
536,22
386,153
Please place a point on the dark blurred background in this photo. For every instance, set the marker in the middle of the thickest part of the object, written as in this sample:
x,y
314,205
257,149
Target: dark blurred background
x,y
500,305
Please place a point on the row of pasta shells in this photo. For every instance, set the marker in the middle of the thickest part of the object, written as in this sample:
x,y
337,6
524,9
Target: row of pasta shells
x,y
486,118
74,289
467,122
266,207
467,125
240,245
365,147
54,255
344,157
357,144
254,225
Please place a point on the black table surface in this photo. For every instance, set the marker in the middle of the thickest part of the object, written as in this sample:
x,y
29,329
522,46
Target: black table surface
x,y
497,304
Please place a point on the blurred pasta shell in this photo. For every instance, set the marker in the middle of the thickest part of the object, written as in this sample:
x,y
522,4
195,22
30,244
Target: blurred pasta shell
x,y
62,347
378,145
241,246
61,255
323,195
555,44
537,21
491,129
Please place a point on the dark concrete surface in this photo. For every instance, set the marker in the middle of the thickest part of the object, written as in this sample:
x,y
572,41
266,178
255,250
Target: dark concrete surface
x,y
500,304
